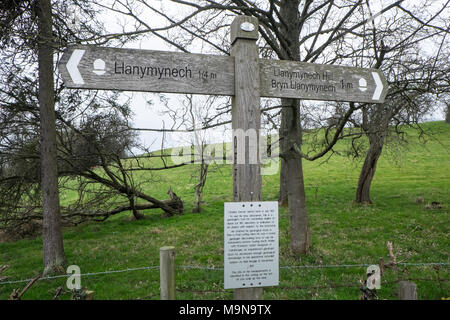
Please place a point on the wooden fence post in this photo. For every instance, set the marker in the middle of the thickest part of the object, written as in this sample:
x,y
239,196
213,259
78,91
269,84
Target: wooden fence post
x,y
407,290
246,118
167,273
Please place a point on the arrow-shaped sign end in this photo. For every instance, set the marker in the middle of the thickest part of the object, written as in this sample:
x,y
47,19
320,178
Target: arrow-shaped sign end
x,y
72,66
379,86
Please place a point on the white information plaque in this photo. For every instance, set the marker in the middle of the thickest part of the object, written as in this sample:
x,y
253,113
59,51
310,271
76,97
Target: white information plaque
x,y
251,244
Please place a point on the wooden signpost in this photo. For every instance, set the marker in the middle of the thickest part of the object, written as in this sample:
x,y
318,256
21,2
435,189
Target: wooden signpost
x,y
243,76
92,67
246,116
291,79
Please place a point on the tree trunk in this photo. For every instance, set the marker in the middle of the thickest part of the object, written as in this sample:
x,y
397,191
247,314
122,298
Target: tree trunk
x,y
136,214
200,185
53,249
300,239
283,196
368,169
290,134
447,115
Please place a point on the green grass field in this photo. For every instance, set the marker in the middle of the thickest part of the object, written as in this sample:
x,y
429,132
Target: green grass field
x,y
342,233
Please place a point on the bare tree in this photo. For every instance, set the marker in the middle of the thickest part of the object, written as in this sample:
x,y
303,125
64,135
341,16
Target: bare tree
x,y
28,42
87,140
195,116
200,145
416,78
290,30
311,31
291,177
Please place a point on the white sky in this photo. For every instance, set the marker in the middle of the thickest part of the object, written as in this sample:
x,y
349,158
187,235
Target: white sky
x,y
149,116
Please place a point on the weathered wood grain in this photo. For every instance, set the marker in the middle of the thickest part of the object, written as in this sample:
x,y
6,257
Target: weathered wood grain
x,y
246,118
175,72
167,273
291,79
244,27
407,290
151,71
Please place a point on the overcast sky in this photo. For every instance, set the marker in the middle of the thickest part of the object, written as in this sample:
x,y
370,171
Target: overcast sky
x,y
149,116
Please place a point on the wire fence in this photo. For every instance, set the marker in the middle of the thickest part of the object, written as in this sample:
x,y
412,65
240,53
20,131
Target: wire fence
x,y
427,264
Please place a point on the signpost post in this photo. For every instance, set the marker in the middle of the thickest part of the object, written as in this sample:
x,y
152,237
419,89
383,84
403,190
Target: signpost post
x,y
246,78
246,118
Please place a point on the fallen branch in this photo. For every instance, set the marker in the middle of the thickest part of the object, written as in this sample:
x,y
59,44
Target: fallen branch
x,y
171,206
58,293
15,294
174,203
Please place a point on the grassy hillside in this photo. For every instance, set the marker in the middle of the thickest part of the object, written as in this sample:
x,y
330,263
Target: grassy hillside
x,y
342,233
